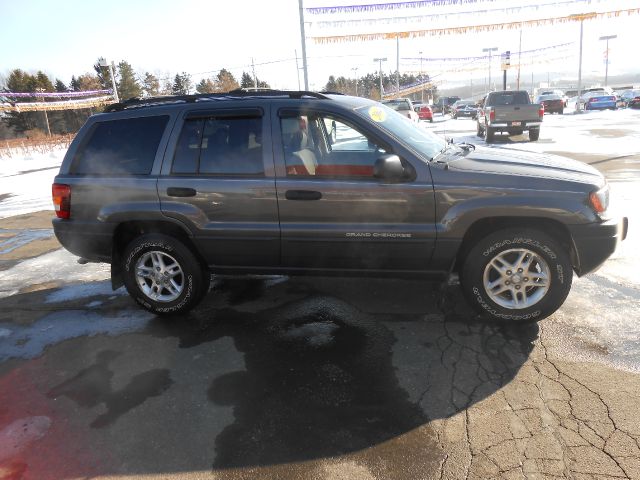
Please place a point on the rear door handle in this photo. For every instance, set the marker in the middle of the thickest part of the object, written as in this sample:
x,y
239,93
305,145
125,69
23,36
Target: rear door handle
x,y
302,195
181,192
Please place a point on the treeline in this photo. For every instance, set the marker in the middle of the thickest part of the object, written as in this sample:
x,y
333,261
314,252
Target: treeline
x,y
128,83
369,85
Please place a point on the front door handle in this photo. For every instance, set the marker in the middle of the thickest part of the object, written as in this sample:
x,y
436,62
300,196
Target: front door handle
x,y
302,195
181,192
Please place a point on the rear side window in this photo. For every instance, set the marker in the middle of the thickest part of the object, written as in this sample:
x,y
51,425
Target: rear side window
x,y
220,146
511,98
120,147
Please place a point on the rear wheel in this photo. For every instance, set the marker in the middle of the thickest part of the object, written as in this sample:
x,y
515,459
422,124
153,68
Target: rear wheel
x,y
162,274
489,134
479,131
516,275
534,134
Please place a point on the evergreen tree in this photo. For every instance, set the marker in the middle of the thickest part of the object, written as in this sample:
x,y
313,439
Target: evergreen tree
x,y
74,85
128,86
21,122
181,84
150,85
206,85
60,86
246,81
104,75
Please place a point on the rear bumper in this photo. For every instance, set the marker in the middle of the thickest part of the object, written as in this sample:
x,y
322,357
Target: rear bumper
x,y
595,242
508,125
92,241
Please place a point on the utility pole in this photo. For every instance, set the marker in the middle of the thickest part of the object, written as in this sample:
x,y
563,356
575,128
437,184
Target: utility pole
x,y
398,63
297,68
519,58
355,71
46,117
421,80
304,47
111,66
380,60
580,67
485,50
255,79
606,56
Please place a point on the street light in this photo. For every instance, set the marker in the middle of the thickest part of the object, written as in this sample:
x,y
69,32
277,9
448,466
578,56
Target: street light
x,y
380,60
103,63
606,68
355,71
485,50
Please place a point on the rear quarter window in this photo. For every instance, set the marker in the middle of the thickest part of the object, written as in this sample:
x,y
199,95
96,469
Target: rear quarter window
x,y
120,147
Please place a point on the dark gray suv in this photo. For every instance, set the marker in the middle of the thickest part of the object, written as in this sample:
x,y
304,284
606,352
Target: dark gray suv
x,y
168,190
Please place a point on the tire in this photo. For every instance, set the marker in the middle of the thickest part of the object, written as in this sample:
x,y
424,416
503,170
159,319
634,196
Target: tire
x,y
489,135
560,112
173,282
534,134
523,298
431,120
479,131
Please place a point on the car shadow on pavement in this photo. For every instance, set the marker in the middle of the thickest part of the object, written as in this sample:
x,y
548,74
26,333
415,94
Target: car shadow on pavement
x,y
266,376
328,373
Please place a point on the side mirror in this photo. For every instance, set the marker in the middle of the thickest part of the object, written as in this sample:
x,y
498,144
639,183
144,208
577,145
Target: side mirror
x,y
388,167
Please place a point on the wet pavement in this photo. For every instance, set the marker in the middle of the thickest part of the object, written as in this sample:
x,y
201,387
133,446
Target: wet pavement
x,y
313,378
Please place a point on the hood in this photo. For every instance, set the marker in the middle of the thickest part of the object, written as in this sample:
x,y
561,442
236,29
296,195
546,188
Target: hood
x,y
505,161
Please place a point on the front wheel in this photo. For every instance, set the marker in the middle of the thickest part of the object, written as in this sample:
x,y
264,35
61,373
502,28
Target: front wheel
x,y
516,275
162,275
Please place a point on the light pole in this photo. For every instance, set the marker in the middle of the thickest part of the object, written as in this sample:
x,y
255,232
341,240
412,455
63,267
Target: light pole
x,y
355,72
485,50
421,80
380,60
304,47
606,56
104,64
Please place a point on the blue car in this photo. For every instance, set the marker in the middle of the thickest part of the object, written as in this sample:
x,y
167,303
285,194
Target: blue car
x,y
600,102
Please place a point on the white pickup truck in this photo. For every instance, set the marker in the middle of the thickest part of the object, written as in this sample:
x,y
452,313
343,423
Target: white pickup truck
x,y
511,112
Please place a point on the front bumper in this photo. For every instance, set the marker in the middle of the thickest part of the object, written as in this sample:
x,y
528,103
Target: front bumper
x,y
595,242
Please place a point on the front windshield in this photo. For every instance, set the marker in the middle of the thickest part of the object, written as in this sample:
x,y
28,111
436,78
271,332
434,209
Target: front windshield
x,y
418,138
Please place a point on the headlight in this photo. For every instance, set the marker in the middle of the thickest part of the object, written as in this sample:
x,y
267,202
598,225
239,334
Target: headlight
x,y
599,200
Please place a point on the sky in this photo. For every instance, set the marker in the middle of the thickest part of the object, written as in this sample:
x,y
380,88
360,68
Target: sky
x,y
66,37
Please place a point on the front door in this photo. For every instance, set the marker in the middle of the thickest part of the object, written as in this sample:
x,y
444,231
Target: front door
x,y
334,214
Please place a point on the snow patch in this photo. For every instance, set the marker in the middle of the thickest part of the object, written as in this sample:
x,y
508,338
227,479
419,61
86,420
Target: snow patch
x,y
77,291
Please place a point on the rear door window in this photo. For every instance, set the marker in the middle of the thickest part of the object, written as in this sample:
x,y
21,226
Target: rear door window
x,y
120,147
220,146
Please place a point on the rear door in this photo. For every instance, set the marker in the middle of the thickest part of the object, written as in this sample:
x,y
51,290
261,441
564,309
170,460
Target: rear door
x,y
218,179
333,213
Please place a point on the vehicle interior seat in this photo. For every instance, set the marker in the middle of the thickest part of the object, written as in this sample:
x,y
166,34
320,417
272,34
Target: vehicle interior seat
x,y
299,158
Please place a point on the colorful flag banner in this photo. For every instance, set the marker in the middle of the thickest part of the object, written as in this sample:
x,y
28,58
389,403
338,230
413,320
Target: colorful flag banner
x,y
364,37
376,7
482,57
84,93
441,16
55,106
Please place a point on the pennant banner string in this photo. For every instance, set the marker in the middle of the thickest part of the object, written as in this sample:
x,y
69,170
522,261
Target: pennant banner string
x,y
376,7
483,57
437,16
84,93
471,28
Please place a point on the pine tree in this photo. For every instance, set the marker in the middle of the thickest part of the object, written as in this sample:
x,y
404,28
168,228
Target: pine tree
x,y
75,85
21,122
150,85
246,81
128,86
60,86
206,85
225,81
181,84
104,75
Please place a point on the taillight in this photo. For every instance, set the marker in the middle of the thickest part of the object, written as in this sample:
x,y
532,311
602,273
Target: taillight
x,y
541,110
492,115
61,194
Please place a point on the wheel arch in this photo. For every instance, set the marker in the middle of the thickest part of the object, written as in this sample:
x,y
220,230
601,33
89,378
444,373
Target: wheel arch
x,y
125,232
485,226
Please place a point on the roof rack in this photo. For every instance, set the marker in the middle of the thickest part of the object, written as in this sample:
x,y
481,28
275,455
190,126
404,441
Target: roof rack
x,y
239,92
